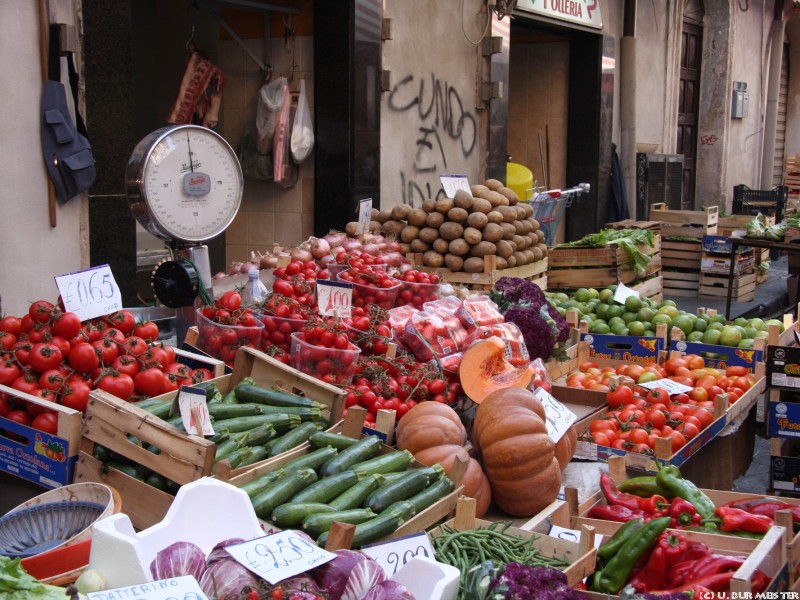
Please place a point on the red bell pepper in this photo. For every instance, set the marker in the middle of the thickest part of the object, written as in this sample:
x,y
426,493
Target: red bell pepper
x,y
683,513
615,512
674,546
615,497
651,575
711,565
656,505
768,509
736,519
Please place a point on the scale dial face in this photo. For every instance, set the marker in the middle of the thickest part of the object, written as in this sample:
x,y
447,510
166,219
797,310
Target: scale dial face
x,y
184,183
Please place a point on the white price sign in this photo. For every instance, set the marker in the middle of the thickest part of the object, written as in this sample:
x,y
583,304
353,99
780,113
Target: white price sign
x,y
673,387
559,417
571,535
364,215
586,450
452,183
194,411
622,293
175,588
90,293
334,298
396,553
279,556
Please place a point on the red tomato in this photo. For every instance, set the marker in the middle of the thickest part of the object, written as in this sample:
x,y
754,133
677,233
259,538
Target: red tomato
x,y
83,358
47,422
149,382
45,356
9,371
230,300
76,396
107,349
40,311
147,330
19,416
737,371
122,320
66,324
678,439
116,384
12,325
619,396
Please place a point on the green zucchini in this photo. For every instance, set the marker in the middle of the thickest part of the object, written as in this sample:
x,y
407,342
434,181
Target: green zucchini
x,y
220,411
403,509
293,438
172,487
259,484
158,408
226,448
259,436
355,496
281,490
430,495
292,514
128,468
246,455
327,488
385,463
157,481
102,453
229,398
318,523
363,449
370,531
312,460
281,422
306,413
326,438
412,482
220,436
272,397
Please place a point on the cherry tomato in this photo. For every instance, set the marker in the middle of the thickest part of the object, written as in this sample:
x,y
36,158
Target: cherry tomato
x,y
47,422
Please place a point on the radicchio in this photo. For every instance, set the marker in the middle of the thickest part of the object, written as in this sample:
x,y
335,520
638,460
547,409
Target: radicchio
x,y
301,587
178,559
389,590
225,577
349,576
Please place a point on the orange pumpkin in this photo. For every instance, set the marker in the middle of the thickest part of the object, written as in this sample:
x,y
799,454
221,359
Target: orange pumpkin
x,y
476,485
484,368
565,447
429,424
518,455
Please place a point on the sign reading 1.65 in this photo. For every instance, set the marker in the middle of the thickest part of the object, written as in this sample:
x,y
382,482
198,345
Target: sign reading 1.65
x,y
90,293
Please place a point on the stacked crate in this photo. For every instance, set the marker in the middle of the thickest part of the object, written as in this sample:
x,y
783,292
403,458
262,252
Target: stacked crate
x,y
734,225
715,269
791,178
682,232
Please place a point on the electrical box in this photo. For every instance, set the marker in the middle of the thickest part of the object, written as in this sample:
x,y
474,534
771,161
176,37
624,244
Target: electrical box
x,y
741,100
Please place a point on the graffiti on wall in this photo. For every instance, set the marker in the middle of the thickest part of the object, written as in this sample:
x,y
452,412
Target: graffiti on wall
x,y
446,130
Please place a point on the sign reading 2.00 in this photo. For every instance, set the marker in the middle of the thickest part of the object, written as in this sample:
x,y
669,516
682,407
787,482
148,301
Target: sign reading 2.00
x,y
90,293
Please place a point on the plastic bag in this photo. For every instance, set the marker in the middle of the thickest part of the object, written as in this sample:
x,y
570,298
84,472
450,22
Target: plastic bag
x,y
271,97
302,141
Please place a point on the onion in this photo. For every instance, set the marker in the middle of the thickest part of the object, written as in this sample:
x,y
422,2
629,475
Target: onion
x,y
320,247
218,276
301,254
351,245
394,259
246,266
372,249
326,260
393,246
268,262
335,239
235,268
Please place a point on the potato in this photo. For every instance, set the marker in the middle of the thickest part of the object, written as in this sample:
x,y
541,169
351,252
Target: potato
x,y
508,231
521,241
453,262
520,257
405,248
508,193
493,184
519,227
441,245
495,217
543,248
500,263
432,259
521,213
483,249
472,236
400,212
374,214
511,261
416,217
504,249
479,205
435,220
459,247
351,228
527,226
458,215
393,227
474,265
509,213
375,227
541,235
537,253
409,234
429,205
463,199
528,209
428,234
444,204
477,220
477,189
418,245
533,236
383,216
534,224
492,232
450,230
495,198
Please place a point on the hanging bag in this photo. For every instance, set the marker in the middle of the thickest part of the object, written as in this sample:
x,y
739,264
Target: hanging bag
x,y
302,141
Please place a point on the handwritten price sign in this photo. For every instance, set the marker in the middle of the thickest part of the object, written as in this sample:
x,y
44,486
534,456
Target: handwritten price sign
x,y
559,417
279,556
334,298
673,387
194,411
396,553
176,588
364,215
452,183
90,293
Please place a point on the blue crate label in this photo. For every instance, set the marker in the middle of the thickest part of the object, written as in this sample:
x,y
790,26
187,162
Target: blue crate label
x,y
783,366
721,357
783,419
34,455
720,244
628,348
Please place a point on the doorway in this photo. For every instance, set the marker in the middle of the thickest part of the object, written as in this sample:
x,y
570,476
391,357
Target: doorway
x,y
688,100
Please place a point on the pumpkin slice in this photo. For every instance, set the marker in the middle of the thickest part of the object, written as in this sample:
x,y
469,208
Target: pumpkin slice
x,y
484,369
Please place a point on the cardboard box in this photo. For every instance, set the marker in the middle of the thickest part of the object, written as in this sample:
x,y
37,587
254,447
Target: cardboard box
x,y
717,244
783,367
784,467
722,357
716,264
44,459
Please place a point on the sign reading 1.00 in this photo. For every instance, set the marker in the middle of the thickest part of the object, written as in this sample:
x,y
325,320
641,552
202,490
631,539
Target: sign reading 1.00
x,y
90,293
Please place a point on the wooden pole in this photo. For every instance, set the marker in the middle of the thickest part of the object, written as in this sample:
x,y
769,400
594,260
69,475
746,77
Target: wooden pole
x,y
44,22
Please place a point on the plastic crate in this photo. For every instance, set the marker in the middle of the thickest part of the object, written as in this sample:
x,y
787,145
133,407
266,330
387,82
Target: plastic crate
x,y
768,202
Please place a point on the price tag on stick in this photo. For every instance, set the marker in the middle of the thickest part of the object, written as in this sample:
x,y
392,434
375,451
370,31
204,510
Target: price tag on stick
x,y
394,554
194,411
90,293
279,556
452,183
334,298
559,417
364,215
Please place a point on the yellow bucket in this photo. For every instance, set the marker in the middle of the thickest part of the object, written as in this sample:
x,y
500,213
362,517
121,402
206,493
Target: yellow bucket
x,y
520,179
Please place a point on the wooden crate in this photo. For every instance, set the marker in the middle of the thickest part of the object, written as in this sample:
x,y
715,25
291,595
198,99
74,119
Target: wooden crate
x,y
680,283
583,266
727,225
654,226
652,287
581,554
715,285
536,272
685,223
681,254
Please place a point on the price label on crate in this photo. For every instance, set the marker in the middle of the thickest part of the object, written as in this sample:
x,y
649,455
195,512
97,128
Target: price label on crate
x,y
364,215
571,535
334,298
279,556
90,293
452,183
194,411
559,417
673,387
623,292
185,587
394,554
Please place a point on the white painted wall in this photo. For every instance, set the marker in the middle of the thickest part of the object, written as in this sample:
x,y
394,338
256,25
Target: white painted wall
x,y
419,139
32,252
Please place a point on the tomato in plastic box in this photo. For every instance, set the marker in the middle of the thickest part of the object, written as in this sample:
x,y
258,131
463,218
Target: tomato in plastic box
x,y
516,352
427,336
476,311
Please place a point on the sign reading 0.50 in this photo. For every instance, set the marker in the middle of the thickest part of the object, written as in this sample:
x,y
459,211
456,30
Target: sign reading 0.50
x,y
90,293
